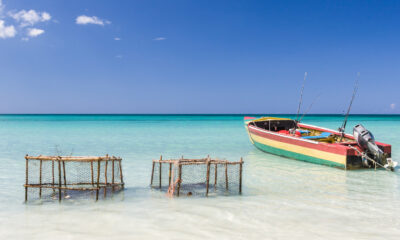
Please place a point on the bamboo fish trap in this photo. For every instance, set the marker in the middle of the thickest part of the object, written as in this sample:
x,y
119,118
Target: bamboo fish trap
x,y
62,176
204,176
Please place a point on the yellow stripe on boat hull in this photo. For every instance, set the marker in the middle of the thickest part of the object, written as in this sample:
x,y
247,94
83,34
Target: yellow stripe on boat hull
x,y
314,153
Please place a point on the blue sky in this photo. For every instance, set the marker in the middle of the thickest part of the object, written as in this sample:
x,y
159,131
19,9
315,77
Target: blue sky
x,y
198,56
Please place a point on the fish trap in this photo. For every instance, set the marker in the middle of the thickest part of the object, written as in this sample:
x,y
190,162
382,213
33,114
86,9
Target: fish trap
x,y
58,177
201,177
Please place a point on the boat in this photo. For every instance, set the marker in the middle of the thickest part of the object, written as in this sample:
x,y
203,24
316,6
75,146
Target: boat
x,y
292,139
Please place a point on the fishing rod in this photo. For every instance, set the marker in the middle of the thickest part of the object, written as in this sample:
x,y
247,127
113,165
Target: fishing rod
x,y
343,127
309,107
301,96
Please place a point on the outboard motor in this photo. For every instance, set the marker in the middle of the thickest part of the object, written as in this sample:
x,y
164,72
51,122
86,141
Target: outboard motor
x,y
366,141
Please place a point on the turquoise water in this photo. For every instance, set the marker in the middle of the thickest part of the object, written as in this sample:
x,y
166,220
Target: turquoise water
x,y
282,198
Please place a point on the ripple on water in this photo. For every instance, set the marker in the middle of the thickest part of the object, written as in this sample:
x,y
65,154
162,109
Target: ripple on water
x,y
282,198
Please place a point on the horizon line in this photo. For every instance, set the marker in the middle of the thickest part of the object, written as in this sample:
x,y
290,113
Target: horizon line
x,y
311,114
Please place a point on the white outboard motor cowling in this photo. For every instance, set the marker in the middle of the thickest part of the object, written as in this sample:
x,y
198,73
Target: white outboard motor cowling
x,y
366,141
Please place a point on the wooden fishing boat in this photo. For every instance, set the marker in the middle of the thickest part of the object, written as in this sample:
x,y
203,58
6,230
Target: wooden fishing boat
x,y
289,138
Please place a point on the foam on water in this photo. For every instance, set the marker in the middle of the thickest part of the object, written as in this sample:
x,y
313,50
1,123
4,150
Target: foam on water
x,y
282,198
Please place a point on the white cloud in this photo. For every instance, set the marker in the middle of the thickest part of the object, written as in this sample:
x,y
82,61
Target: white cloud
x,y
392,106
34,32
119,56
46,16
29,18
7,31
117,39
159,38
83,20
24,19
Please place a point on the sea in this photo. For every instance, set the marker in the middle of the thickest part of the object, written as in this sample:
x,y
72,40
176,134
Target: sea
x,y
281,198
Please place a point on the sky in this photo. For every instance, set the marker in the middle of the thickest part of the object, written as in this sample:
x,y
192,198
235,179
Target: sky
x,y
194,57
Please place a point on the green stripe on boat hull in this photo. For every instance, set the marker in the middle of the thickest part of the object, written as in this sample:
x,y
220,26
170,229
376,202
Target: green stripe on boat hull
x,y
297,156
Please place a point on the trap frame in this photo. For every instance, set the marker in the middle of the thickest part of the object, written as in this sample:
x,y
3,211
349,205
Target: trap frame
x,y
197,176
76,173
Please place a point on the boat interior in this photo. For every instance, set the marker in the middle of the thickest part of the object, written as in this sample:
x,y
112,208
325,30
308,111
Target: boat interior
x,y
290,127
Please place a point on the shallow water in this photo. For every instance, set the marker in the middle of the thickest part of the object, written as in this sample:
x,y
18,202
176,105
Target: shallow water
x,y
282,198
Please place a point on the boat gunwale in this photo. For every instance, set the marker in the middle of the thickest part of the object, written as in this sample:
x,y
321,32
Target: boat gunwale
x,y
338,133
281,135
320,146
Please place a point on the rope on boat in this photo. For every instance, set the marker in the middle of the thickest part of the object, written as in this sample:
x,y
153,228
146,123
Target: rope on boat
x,y
364,155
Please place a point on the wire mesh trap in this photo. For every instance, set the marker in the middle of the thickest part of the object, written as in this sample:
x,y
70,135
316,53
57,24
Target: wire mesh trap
x,y
200,177
58,177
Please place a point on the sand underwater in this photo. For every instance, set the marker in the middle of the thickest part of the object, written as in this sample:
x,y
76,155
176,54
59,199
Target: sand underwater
x,y
282,198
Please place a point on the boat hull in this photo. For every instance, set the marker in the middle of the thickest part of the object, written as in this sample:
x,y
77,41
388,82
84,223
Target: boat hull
x,y
335,155
302,155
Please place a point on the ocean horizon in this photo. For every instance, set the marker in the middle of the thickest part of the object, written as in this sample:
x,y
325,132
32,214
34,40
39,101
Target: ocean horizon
x,y
206,114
